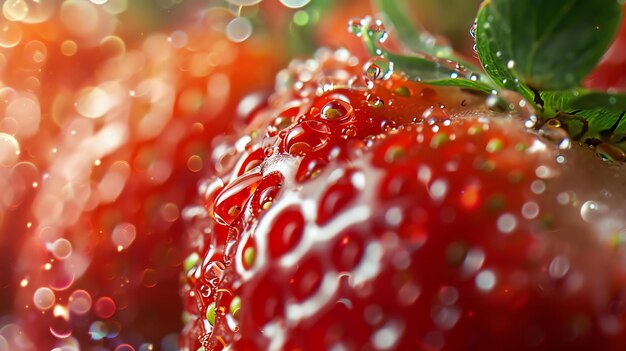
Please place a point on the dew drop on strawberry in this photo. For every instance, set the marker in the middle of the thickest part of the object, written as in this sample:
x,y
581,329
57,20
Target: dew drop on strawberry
x,y
377,68
336,110
306,137
230,202
283,121
354,26
209,189
377,30
212,274
286,232
254,159
375,101
266,192
436,114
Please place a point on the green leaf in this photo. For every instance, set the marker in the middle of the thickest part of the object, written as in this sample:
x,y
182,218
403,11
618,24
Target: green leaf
x,y
599,120
620,130
546,44
609,102
491,55
414,38
556,101
417,66
418,40
462,83
420,68
576,126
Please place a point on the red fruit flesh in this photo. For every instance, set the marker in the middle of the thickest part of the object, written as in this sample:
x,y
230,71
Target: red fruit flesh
x,y
405,217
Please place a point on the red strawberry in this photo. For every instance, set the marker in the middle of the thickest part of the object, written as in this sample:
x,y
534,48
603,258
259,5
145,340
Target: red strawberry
x,y
611,71
368,212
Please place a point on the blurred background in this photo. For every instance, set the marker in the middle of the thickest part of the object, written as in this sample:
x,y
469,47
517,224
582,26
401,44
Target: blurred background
x,y
108,109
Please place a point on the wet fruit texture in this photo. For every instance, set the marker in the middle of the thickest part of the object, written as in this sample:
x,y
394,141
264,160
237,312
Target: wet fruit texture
x,y
362,211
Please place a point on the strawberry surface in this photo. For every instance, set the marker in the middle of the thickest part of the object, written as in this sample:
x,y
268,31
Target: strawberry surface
x,y
364,211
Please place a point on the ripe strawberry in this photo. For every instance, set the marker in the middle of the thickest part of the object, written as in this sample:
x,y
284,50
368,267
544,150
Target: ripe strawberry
x,y
611,71
369,212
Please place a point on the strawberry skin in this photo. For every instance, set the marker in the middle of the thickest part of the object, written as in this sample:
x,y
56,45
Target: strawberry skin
x,y
368,212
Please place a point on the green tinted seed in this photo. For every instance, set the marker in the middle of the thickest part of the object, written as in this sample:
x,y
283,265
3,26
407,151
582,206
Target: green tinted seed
x,y
402,91
249,255
547,220
455,253
395,154
474,130
210,313
235,305
191,261
494,145
438,140
521,147
495,203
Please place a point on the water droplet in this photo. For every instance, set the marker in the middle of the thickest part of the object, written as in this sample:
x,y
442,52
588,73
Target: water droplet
x,y
376,31
374,101
472,30
497,103
377,68
336,110
556,135
213,273
355,26
231,200
610,152
510,64
306,137
591,211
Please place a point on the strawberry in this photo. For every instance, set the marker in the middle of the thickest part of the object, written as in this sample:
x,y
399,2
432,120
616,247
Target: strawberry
x,y
610,72
364,211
